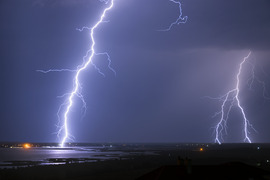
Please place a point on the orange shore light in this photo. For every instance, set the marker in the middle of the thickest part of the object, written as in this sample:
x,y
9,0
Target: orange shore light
x,y
26,146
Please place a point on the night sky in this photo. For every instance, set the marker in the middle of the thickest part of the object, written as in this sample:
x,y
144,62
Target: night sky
x,y
162,78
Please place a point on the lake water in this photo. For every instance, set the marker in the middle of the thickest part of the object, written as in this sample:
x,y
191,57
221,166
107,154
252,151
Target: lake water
x,y
15,157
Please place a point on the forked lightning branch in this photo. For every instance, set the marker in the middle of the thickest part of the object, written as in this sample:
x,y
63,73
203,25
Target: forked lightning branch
x,y
76,91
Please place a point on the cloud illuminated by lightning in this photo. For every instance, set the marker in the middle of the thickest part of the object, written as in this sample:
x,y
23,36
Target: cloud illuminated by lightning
x,y
229,100
179,20
87,59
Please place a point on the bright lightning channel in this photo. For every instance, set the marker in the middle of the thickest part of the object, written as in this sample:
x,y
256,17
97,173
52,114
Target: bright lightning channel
x,y
179,20
76,79
231,98
76,83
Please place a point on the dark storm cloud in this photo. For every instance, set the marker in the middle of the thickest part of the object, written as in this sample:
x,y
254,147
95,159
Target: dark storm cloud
x,y
229,24
55,3
241,24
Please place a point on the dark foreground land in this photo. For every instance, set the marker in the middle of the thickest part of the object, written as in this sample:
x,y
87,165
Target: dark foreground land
x,y
160,161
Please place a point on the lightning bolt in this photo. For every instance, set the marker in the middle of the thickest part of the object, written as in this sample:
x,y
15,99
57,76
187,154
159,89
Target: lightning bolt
x,y
56,70
179,20
230,99
76,89
87,59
